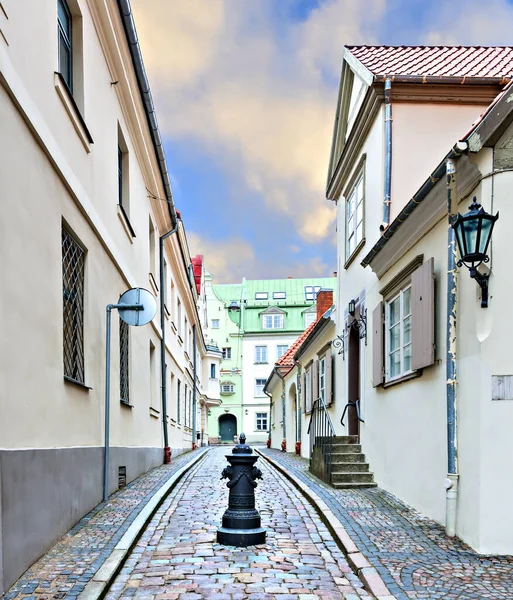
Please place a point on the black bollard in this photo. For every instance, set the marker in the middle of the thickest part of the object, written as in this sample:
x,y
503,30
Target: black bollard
x,y
241,524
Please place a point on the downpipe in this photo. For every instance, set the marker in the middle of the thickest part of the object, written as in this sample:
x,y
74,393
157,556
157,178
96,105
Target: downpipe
x,y
283,412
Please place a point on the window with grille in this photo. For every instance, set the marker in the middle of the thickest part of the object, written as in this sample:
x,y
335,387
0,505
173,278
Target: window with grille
x,y
65,43
73,268
399,339
227,353
261,421
260,354
311,291
124,359
354,217
272,322
215,323
227,388
310,318
280,350
259,387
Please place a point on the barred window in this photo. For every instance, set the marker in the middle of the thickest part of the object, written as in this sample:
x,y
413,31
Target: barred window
x,y
73,267
124,359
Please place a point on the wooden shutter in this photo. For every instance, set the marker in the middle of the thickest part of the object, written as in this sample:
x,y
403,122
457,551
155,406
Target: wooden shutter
x,y
423,316
315,381
377,346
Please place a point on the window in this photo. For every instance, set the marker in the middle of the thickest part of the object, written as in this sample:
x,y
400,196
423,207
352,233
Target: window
x,y
73,270
322,379
215,323
227,388
64,25
261,296
279,295
398,334
213,371
227,353
272,321
124,361
354,216
179,316
260,354
151,239
310,318
261,421
178,402
280,350
190,408
123,179
311,291
307,386
153,378
259,387
186,412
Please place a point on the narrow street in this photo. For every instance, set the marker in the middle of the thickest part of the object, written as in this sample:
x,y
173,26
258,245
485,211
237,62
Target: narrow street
x,y
178,557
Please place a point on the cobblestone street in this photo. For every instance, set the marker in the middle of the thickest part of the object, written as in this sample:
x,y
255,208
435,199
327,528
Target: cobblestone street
x,y
178,557
412,553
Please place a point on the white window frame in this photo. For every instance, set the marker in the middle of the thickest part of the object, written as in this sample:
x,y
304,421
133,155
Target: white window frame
x,y
355,215
260,355
229,388
309,318
402,345
262,417
277,321
213,371
311,291
308,390
227,353
261,295
278,346
215,323
279,295
322,378
259,389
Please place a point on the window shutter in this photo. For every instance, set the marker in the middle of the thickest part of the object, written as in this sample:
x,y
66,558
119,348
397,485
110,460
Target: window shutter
x,y
328,375
315,381
423,316
377,346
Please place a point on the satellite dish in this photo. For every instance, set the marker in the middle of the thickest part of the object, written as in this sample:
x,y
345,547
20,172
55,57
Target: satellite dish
x,y
137,297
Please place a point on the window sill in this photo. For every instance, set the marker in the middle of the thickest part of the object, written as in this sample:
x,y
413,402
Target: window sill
x,y
166,311
77,383
127,404
402,379
123,217
154,412
173,326
354,254
179,338
261,363
153,284
73,111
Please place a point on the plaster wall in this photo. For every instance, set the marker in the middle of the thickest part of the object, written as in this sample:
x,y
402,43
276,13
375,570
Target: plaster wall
x,y
422,133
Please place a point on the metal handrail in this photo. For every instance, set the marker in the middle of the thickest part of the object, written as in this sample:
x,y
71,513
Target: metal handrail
x,y
322,433
326,413
357,406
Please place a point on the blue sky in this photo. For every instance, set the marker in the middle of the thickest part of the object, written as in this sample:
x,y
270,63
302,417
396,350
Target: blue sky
x,y
246,93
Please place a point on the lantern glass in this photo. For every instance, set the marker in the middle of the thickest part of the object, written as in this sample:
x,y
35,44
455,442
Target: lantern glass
x,y
351,308
473,233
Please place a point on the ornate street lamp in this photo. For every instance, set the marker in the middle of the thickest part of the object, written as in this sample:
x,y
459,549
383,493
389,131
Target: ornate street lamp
x,y
473,233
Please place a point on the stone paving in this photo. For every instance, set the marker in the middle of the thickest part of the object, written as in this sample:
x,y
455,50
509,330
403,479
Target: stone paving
x,y
68,566
177,557
412,553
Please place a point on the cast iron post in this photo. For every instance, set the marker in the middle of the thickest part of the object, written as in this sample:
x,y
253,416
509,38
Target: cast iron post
x,y
241,524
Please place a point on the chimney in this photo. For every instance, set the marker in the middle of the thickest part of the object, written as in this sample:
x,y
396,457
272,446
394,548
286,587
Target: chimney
x,y
324,301
335,273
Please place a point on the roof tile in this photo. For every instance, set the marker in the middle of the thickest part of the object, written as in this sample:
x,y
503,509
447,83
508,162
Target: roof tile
x,y
437,61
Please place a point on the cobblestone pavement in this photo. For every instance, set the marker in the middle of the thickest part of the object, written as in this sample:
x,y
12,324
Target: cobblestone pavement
x,y
178,558
67,567
412,553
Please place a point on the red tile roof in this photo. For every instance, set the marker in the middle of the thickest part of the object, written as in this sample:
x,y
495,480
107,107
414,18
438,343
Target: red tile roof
x,y
287,360
437,61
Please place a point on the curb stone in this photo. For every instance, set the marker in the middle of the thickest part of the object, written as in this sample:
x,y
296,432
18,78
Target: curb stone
x,y
99,584
367,574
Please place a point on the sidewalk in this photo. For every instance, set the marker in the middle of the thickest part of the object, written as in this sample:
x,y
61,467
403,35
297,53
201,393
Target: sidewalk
x,y
72,562
410,552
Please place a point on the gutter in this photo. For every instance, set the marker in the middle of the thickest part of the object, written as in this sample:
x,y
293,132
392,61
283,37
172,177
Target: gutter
x,y
127,19
441,79
458,149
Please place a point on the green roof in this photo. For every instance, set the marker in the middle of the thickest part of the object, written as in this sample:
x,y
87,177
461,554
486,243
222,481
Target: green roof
x,y
293,296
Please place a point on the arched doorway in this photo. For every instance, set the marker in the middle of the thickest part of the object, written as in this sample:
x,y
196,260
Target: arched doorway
x,y
353,395
227,427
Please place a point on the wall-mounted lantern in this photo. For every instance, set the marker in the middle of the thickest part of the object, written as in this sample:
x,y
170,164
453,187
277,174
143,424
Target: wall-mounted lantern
x,y
473,234
351,309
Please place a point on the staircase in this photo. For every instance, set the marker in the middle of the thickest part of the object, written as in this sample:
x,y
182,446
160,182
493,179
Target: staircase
x,y
348,466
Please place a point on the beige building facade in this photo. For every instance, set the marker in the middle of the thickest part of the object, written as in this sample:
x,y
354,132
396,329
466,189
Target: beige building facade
x,y
86,198
429,364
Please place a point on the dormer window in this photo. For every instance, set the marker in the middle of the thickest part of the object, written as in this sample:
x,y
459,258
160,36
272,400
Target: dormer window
x,y
261,295
272,321
311,292
279,295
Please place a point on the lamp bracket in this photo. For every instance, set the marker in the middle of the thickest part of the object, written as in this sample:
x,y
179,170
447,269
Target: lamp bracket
x,y
482,282
359,325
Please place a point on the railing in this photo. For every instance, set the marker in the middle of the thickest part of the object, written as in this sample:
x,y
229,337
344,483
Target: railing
x,y
357,406
321,432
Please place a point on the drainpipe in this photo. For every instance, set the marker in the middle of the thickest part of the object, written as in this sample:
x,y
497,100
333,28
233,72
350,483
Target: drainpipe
x,y
167,449
194,387
283,413
388,154
451,483
298,407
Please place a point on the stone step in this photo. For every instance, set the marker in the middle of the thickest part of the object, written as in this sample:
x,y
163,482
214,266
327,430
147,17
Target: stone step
x,y
345,439
352,477
347,486
347,448
351,467
344,457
